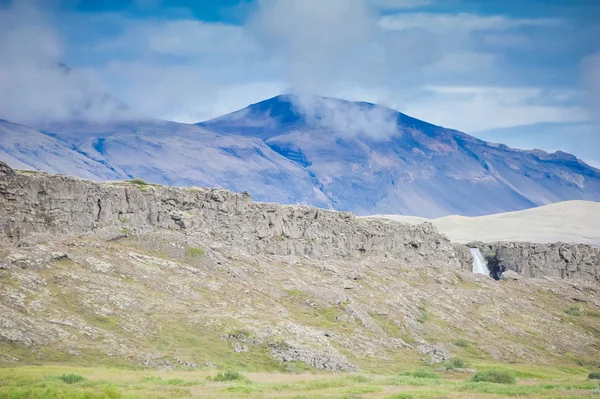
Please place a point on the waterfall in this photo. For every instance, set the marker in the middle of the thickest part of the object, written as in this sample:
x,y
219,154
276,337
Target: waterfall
x,y
479,263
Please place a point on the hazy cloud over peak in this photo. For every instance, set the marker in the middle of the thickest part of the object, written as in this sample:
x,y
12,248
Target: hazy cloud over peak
x,y
348,119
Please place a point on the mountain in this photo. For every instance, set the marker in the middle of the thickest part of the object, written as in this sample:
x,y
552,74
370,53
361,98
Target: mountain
x,y
26,148
392,163
582,137
164,153
312,150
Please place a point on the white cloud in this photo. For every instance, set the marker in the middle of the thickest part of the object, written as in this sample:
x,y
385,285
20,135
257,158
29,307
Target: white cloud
x,y
34,88
186,38
453,23
471,109
348,118
316,47
183,92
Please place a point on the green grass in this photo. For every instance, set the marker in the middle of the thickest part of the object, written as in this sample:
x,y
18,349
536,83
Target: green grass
x,y
117,383
455,363
463,343
185,341
195,252
71,378
423,373
573,311
138,182
229,375
404,395
497,376
388,325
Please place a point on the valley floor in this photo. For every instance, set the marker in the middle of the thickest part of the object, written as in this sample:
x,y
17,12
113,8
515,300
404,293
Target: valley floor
x,y
110,383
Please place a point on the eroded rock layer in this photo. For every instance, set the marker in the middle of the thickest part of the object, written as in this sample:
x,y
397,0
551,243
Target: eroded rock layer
x,y
34,204
571,261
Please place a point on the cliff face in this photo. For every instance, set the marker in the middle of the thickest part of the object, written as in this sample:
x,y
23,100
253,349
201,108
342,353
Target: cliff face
x,y
37,204
571,261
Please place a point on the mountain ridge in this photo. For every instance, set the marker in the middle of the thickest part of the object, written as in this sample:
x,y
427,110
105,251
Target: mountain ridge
x,y
334,154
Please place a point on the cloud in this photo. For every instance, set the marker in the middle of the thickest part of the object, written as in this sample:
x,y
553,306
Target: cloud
x,y
351,49
35,88
347,119
463,22
184,38
183,92
476,108
317,48
324,51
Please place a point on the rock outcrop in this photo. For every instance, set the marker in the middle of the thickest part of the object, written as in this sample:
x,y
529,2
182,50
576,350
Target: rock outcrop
x,y
38,204
570,261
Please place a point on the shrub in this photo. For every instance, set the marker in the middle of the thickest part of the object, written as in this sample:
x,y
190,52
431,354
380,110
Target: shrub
x,y
494,375
138,181
422,373
594,375
71,378
229,375
573,311
194,252
422,317
463,343
455,364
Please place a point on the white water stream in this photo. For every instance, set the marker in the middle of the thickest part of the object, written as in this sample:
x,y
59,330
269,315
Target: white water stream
x,y
479,263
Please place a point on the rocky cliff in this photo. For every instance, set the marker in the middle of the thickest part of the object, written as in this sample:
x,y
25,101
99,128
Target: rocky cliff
x,y
128,273
36,205
571,261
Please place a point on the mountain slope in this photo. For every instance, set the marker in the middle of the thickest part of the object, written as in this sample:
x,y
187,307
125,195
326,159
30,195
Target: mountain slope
x,y
166,153
365,164
23,147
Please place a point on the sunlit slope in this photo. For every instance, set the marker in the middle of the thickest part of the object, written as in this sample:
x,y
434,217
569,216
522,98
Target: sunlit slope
x,y
568,221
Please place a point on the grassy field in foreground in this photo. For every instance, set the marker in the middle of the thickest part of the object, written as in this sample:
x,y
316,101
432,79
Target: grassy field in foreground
x,y
111,383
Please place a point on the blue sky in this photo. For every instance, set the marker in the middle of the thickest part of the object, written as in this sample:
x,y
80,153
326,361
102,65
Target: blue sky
x,y
483,67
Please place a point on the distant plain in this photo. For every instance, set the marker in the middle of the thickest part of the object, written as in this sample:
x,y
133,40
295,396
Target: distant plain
x,y
568,221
